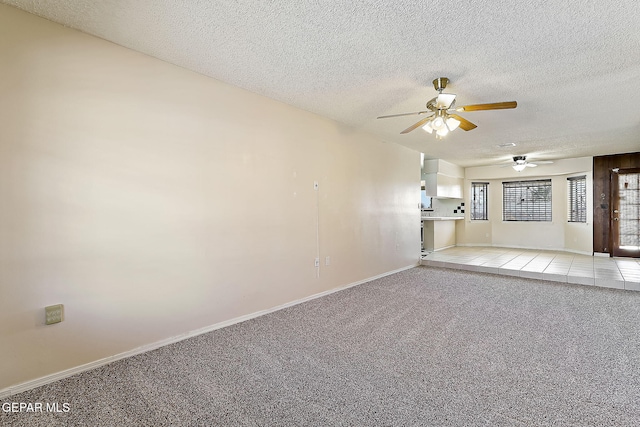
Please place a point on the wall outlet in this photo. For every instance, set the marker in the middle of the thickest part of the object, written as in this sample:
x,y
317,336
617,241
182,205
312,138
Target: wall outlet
x,y
317,262
315,185
327,260
54,314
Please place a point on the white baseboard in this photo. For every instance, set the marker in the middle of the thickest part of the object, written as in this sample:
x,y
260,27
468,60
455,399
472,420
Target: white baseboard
x,y
443,248
602,254
47,379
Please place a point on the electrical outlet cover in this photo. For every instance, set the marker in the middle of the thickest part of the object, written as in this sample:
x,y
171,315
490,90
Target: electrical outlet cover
x,y
54,314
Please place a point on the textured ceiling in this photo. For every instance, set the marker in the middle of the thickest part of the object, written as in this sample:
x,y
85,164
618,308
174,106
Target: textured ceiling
x,y
572,65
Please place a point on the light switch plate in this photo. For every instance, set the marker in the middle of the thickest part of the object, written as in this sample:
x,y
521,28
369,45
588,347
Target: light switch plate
x,y
54,314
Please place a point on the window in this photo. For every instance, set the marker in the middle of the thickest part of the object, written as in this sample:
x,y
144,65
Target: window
x,y
479,208
425,201
577,199
526,200
629,211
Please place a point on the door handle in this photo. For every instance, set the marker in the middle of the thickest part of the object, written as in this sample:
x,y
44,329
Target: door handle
x,y
615,211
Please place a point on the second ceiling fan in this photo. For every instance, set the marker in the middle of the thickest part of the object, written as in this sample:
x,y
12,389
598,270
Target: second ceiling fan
x,y
442,118
520,163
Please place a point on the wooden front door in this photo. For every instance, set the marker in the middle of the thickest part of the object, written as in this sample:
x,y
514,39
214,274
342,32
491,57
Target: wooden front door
x,y
625,212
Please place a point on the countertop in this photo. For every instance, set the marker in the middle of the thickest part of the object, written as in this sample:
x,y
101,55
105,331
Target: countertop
x,y
440,218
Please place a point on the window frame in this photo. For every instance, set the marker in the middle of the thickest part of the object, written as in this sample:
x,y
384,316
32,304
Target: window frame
x,y
576,208
531,211
484,213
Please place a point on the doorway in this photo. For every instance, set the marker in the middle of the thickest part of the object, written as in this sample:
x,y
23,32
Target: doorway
x,y
625,212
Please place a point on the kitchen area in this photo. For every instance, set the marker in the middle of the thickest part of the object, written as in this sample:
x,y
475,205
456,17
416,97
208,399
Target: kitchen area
x,y
442,204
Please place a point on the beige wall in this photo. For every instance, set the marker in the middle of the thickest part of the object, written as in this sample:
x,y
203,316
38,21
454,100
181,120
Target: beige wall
x,y
152,201
555,235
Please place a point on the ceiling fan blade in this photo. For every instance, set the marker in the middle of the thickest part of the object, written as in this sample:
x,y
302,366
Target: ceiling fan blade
x,y
444,101
404,114
491,106
544,162
464,123
417,125
530,165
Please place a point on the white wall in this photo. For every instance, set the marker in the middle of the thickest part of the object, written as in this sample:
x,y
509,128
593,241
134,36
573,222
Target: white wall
x,y
152,201
555,235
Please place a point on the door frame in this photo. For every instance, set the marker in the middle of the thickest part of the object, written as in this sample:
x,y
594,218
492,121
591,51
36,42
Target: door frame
x,y
614,235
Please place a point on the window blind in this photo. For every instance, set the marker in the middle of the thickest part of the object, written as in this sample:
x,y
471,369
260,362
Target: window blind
x,y
577,199
526,200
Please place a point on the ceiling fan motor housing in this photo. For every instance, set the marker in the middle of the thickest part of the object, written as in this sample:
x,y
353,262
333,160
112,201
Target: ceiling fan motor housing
x,y
520,159
440,83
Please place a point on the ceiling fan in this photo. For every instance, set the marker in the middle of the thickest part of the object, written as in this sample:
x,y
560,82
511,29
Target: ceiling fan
x,y
520,163
442,119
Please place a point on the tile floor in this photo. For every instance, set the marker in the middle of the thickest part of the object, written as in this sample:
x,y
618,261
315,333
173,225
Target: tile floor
x,y
619,273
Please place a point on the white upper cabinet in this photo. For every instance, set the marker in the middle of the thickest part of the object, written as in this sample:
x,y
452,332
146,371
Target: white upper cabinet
x,y
442,179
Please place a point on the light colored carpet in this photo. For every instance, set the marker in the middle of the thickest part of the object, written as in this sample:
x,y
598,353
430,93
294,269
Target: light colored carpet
x,y
424,347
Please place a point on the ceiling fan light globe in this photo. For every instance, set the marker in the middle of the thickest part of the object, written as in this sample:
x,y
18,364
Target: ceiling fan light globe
x,y
443,131
437,123
519,167
452,123
427,127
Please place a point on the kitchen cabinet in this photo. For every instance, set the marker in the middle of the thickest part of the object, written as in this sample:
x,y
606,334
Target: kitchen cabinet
x,y
442,179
